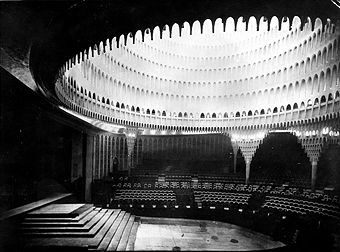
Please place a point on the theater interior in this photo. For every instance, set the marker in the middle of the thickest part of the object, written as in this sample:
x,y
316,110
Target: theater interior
x,y
170,125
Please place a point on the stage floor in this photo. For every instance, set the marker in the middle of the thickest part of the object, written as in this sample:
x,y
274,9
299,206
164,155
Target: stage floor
x,y
167,233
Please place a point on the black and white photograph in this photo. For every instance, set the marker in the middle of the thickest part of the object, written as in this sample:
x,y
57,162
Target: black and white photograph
x,y
170,125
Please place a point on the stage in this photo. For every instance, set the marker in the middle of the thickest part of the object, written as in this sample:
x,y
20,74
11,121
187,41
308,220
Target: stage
x,y
184,234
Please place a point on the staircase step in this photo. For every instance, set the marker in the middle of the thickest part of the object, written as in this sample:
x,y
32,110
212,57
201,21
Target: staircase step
x,y
126,233
89,230
108,237
90,242
83,209
118,234
132,237
75,219
100,235
58,211
88,217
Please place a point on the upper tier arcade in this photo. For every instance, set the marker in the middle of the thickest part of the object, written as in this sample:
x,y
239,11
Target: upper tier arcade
x,y
210,76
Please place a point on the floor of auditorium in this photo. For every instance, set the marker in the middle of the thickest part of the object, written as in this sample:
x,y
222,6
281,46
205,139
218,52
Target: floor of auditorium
x,y
184,234
95,228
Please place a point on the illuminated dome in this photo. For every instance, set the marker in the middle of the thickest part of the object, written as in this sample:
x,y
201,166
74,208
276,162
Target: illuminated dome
x,y
213,76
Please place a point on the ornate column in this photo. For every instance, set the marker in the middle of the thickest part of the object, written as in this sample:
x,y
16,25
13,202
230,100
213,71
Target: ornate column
x,y
312,146
314,170
131,137
313,142
89,165
313,139
235,150
248,142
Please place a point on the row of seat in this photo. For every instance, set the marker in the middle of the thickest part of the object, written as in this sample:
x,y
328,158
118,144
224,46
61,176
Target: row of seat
x,y
288,204
140,196
307,202
304,194
264,189
216,198
220,198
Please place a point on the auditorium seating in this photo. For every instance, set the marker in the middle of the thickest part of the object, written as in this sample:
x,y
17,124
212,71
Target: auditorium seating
x,y
302,206
144,197
213,198
87,227
212,191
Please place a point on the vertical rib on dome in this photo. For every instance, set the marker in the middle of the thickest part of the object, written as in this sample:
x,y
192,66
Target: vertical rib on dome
x,y
230,25
147,35
138,36
252,24
165,32
175,31
296,23
218,26
274,23
156,34
121,40
241,25
285,24
196,28
207,26
264,24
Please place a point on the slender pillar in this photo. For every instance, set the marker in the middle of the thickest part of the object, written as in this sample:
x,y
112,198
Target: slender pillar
x,y
312,147
77,156
235,150
247,170
89,165
131,139
314,171
248,142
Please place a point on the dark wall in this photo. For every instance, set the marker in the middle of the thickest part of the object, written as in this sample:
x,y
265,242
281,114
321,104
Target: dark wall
x,y
328,174
280,156
187,154
35,150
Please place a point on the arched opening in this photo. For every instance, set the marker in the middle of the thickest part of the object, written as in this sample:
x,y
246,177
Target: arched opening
x,y
330,97
337,96
202,115
213,115
309,103
302,105
323,99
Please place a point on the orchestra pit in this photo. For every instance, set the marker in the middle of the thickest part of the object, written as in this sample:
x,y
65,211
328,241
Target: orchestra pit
x,y
170,125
